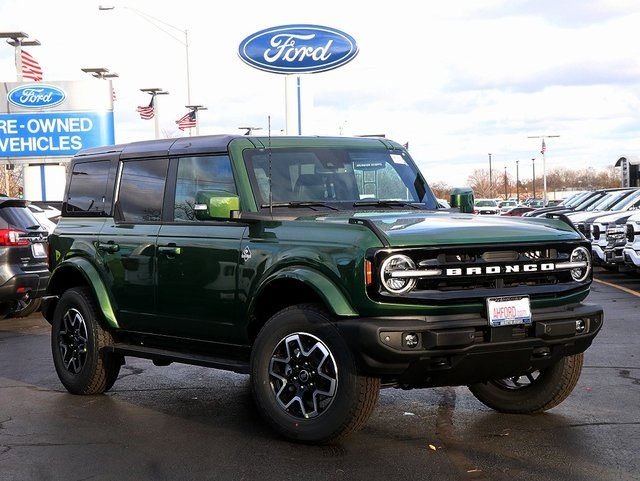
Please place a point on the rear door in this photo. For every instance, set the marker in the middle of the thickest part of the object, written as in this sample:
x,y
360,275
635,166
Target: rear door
x,y
128,243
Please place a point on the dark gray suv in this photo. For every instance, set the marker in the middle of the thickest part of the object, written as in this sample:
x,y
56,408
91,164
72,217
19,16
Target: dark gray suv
x,y
24,270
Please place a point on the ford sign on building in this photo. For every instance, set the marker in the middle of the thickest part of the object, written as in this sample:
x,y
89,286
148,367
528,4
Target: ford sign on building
x,y
294,49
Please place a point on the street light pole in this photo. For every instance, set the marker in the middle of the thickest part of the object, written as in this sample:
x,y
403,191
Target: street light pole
x,y
155,92
505,183
533,163
156,22
490,180
17,39
517,182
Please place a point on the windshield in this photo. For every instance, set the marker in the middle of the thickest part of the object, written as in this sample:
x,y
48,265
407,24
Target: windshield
x,y
336,175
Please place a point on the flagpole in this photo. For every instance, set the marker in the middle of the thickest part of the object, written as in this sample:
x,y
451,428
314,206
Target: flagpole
x,y
155,92
195,109
17,39
544,163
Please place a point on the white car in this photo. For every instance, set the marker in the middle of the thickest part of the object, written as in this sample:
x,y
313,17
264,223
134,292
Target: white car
x,y
631,250
486,207
505,205
46,216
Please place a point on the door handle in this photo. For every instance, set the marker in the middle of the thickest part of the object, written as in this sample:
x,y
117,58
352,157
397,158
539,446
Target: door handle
x,y
109,247
170,250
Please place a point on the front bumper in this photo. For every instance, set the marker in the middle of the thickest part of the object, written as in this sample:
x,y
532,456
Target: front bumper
x,y
463,350
631,256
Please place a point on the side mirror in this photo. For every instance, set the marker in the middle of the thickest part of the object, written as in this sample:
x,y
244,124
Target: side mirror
x,y
462,198
212,204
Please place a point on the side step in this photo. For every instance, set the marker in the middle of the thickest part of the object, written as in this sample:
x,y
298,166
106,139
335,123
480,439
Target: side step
x,y
164,357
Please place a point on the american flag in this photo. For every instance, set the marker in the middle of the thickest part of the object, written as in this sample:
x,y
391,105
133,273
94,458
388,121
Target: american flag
x,y
187,121
544,147
146,112
30,67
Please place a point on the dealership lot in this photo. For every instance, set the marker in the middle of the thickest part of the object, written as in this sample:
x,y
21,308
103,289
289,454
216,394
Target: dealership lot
x,y
183,422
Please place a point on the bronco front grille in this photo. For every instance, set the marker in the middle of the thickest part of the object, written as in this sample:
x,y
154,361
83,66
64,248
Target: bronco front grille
x,y
465,272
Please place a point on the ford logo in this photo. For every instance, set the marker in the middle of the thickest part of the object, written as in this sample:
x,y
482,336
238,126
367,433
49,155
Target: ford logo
x,y
36,96
298,49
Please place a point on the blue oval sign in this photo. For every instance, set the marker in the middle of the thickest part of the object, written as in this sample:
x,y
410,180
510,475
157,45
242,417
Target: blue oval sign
x,y
298,49
36,95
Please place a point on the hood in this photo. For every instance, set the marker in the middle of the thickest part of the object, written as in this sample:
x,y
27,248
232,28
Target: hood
x,y
447,228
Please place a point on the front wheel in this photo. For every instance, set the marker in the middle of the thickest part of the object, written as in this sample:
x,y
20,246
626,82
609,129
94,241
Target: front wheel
x,y
534,391
304,378
77,342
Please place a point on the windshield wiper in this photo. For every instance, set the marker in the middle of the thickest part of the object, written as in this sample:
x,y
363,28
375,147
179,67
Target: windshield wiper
x,y
387,203
297,204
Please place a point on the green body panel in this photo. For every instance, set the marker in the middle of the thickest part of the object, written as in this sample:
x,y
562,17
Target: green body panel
x,y
88,270
445,229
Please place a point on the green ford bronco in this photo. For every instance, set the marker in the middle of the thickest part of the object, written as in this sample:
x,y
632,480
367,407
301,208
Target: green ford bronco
x,y
321,267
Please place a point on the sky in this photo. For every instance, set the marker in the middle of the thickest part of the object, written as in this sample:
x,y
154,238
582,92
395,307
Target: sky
x,y
456,81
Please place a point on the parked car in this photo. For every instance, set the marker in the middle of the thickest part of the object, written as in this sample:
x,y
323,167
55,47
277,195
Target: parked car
x,y
518,210
486,207
505,205
46,216
24,270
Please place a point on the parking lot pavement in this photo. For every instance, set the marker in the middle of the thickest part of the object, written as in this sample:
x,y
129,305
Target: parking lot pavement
x,y
190,423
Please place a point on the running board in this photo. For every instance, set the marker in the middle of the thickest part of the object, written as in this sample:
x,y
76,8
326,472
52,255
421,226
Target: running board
x,y
165,357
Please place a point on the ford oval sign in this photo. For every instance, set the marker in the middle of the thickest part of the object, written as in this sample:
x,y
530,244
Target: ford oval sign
x,y
36,95
298,49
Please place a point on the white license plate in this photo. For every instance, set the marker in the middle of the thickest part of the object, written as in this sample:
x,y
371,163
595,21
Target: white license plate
x,y
38,250
509,310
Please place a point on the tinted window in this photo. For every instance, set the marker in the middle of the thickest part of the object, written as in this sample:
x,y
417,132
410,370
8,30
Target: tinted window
x,y
142,190
88,189
18,217
200,174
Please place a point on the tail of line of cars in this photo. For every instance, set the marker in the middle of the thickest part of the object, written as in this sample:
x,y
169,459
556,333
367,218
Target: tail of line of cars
x,y
610,220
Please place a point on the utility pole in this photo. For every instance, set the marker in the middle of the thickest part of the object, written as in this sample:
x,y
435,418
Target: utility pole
x,y
490,182
517,183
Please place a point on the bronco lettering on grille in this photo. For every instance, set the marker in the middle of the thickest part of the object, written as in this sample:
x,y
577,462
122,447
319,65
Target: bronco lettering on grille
x,y
506,269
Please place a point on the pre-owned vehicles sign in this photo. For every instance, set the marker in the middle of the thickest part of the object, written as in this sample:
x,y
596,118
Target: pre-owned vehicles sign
x,y
290,49
55,119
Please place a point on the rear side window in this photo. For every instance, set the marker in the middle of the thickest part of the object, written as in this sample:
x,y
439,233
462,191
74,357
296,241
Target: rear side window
x,y
88,189
141,191
18,218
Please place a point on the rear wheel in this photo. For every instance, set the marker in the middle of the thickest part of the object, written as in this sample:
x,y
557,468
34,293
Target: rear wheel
x,y
534,391
25,307
304,378
77,342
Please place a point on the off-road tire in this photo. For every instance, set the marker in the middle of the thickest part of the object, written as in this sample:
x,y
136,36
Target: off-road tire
x,y
532,392
304,378
77,342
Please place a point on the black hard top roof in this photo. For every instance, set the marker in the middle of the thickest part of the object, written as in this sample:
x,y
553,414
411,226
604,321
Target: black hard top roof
x,y
215,144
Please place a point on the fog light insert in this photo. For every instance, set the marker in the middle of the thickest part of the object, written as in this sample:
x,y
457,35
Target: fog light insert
x,y
411,340
581,326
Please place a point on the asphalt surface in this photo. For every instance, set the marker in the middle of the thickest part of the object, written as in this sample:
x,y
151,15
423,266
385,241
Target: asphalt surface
x,y
189,423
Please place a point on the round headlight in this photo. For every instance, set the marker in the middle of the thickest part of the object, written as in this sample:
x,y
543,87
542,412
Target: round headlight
x,y
581,256
394,272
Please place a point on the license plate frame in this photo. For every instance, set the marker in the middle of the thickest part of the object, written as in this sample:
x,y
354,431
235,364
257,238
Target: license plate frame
x,y
38,250
508,311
